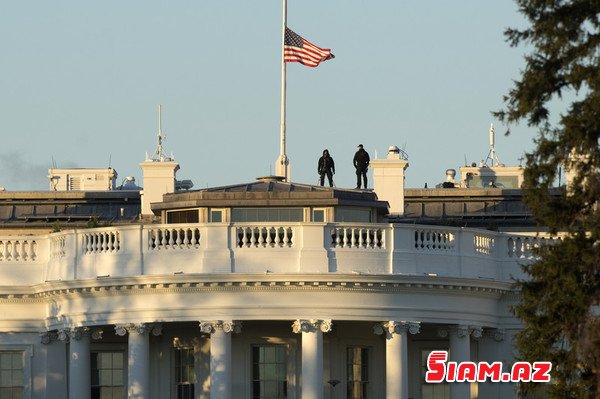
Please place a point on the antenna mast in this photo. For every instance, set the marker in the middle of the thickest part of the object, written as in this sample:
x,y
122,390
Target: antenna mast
x,y
158,154
492,157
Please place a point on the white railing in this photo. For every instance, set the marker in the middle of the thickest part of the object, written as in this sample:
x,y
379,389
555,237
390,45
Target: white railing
x,y
436,240
161,238
484,244
98,242
526,247
358,237
18,250
263,236
57,247
267,247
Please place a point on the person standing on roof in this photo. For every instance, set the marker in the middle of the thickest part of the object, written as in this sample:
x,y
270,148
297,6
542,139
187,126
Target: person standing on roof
x,y
361,163
326,167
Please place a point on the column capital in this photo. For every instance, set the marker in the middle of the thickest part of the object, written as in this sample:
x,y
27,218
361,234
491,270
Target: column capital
x,y
312,325
47,337
138,328
397,327
461,331
77,333
97,334
497,334
476,331
227,326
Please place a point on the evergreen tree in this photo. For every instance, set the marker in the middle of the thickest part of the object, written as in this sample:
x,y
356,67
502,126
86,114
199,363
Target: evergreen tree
x,y
560,301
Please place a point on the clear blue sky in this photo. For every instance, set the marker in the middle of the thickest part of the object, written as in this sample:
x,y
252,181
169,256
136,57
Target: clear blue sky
x,y
80,82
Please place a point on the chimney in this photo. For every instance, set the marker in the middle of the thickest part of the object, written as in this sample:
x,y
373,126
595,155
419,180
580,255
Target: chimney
x,y
158,179
388,179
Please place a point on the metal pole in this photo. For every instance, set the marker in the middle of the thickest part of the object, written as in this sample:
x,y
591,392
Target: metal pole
x,y
282,162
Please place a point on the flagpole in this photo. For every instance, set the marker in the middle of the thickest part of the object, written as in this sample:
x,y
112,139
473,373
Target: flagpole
x,y
283,162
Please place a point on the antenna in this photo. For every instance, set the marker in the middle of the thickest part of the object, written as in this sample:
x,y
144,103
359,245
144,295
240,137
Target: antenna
x,y
492,157
53,163
158,153
109,160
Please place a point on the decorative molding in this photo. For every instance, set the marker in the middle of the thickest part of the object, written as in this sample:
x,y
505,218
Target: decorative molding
x,y
397,327
380,283
121,329
312,325
47,337
63,335
476,331
461,331
97,334
139,328
227,326
497,334
77,333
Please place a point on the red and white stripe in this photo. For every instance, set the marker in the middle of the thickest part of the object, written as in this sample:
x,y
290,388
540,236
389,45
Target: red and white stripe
x,y
309,55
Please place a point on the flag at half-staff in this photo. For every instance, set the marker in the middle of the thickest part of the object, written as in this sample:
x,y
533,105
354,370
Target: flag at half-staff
x,y
297,49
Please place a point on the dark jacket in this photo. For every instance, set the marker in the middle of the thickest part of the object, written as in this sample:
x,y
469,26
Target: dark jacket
x,y
326,164
361,160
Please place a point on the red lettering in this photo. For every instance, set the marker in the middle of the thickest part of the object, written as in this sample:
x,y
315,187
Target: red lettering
x,y
521,371
466,372
451,372
436,366
541,371
493,370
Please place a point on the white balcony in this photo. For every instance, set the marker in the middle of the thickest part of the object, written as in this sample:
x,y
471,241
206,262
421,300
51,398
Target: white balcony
x,y
278,248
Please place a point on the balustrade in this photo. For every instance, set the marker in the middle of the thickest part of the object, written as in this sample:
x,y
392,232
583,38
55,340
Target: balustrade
x,y
18,250
525,247
264,237
358,237
417,247
160,238
100,242
435,240
57,246
484,244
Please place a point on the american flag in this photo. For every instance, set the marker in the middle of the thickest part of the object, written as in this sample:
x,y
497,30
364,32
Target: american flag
x,y
296,49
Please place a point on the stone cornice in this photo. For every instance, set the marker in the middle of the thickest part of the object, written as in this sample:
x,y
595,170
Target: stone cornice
x,y
255,282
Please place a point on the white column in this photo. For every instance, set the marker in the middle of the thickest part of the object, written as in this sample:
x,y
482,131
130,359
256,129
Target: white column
x,y
138,357
79,363
220,356
396,356
460,351
312,355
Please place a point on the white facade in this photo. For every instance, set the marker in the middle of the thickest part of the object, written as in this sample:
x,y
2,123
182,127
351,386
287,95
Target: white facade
x,y
226,310
82,179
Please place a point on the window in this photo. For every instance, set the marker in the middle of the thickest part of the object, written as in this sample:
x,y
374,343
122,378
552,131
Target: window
x,y
357,366
269,372
185,373
355,215
216,215
432,391
108,373
318,215
187,216
267,215
11,375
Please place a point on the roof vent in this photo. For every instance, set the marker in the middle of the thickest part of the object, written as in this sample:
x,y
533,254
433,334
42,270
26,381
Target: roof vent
x,y
271,178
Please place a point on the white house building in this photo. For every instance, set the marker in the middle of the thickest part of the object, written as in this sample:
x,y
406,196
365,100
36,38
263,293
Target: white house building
x,y
265,290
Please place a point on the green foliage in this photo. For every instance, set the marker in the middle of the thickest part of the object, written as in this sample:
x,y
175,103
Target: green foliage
x,y
559,306
56,227
94,222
